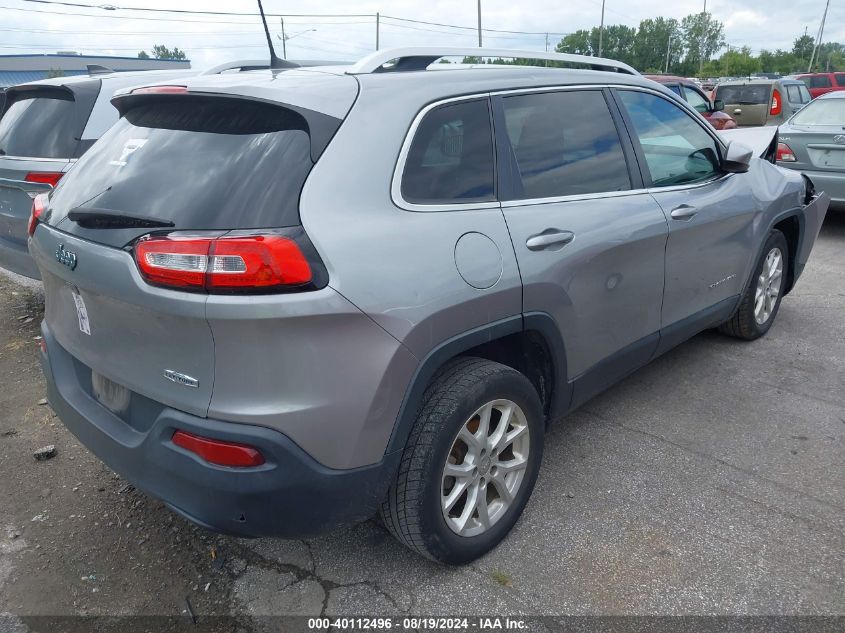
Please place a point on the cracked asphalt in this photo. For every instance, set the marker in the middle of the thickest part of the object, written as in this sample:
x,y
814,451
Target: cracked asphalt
x,y
710,482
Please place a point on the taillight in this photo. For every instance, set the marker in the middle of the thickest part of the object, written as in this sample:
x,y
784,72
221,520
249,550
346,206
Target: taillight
x,y
785,154
258,263
219,452
777,104
39,205
51,178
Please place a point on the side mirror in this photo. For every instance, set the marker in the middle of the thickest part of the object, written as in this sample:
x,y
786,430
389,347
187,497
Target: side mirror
x,y
737,158
718,105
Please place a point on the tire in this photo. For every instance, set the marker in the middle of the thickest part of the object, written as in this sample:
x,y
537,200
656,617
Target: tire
x,y
414,508
748,322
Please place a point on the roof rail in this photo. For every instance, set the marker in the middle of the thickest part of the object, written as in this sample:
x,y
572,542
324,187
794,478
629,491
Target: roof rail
x,y
420,57
96,69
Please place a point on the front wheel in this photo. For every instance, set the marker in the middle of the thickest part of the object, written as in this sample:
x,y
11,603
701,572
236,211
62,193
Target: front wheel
x,y
470,462
761,301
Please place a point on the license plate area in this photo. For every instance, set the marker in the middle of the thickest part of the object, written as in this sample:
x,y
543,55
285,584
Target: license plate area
x,y
830,158
114,397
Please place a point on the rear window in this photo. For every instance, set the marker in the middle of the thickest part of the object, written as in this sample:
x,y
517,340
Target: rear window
x,y
200,163
451,156
40,127
840,79
821,112
798,93
744,95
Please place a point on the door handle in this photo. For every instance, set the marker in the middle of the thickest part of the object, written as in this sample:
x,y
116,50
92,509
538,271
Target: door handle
x,y
549,237
683,212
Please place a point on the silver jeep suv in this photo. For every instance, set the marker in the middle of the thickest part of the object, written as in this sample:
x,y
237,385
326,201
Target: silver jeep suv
x,y
282,301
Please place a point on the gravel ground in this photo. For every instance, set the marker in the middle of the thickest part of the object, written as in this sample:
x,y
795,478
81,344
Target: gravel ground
x,y
710,482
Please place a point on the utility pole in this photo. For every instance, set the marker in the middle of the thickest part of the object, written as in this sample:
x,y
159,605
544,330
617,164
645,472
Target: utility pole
x,y
479,24
816,48
378,24
703,34
668,48
601,29
284,41
547,42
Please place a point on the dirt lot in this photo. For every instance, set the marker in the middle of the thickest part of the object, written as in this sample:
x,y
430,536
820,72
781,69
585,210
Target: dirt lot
x,y
711,482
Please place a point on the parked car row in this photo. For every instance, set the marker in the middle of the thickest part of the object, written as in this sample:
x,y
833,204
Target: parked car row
x,y
290,299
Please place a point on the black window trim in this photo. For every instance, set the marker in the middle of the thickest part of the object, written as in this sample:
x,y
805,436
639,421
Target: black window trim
x,y
692,114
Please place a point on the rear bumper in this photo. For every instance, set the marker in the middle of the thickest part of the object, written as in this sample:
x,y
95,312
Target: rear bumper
x,y
16,258
290,495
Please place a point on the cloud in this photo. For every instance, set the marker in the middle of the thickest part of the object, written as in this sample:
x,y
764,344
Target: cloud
x,y
40,28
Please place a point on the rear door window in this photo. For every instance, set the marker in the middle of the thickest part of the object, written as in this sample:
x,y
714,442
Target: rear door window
x,y
40,127
565,143
451,157
820,81
840,79
198,163
678,151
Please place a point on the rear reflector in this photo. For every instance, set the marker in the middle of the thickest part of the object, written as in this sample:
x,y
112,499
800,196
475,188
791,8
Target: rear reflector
x,y
51,178
240,263
219,452
785,153
39,205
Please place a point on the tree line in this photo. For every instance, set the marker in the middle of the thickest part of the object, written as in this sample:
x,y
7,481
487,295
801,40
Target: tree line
x,y
696,46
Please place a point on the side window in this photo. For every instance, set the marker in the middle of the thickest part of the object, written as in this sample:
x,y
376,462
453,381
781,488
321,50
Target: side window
x,y
678,151
840,79
697,100
675,88
820,81
565,143
451,156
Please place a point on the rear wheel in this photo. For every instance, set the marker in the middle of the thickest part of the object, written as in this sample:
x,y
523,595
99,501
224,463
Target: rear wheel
x,y
762,299
470,462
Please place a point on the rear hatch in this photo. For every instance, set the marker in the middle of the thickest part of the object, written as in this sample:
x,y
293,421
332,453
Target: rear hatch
x,y
749,103
40,134
187,167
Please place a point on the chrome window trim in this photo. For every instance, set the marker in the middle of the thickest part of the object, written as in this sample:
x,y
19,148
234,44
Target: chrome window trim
x,y
396,183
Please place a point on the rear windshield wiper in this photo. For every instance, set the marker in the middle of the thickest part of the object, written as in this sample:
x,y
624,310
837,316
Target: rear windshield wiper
x,y
90,218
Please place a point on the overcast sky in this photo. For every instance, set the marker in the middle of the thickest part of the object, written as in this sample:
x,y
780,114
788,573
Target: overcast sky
x,y
46,28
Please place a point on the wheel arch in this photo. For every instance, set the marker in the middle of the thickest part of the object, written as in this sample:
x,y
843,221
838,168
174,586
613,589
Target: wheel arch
x,y
530,343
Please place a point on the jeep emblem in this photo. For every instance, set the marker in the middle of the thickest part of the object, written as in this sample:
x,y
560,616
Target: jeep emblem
x,y
66,257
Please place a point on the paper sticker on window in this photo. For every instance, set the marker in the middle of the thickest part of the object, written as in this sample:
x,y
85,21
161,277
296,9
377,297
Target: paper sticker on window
x,y
129,147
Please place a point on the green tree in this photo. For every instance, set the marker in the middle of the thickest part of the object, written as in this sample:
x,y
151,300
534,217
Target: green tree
x,y
160,51
143,55
703,38
577,43
803,47
654,37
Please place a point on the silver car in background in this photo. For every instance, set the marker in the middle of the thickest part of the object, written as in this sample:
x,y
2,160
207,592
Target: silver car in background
x,y
289,300
813,142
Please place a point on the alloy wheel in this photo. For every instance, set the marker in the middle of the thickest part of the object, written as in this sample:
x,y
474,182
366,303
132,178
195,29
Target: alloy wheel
x,y
485,468
768,286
